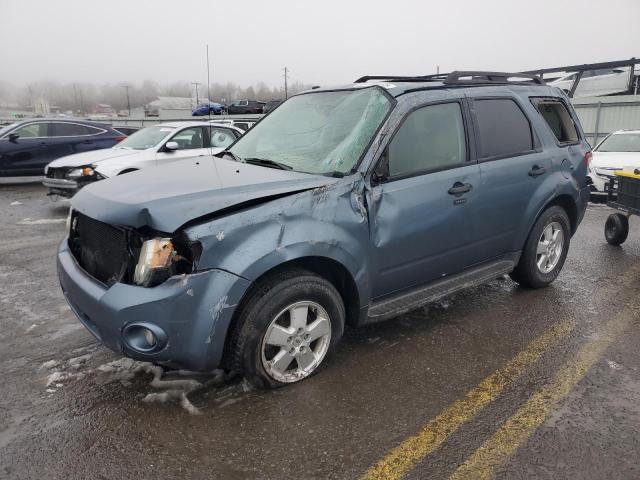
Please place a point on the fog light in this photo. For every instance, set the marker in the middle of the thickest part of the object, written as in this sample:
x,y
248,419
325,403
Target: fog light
x,y
144,337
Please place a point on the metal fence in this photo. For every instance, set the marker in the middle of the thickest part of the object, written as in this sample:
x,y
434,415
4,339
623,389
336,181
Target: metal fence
x,y
601,116
145,121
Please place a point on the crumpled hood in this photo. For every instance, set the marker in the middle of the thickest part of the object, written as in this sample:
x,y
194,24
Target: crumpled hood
x,y
615,160
167,197
94,156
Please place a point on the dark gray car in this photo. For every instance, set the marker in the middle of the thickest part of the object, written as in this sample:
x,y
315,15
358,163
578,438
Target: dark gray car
x,y
342,207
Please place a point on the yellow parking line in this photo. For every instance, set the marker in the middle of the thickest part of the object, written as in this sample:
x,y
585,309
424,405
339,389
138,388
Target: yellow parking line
x,y
517,429
404,457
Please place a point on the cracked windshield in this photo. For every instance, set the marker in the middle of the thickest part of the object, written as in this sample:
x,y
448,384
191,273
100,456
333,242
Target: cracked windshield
x,y
323,132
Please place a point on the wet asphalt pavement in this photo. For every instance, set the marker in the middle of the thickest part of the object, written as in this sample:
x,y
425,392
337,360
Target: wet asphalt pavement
x,y
71,409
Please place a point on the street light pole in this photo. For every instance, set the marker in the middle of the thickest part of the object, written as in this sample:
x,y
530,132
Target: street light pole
x,y
126,87
286,77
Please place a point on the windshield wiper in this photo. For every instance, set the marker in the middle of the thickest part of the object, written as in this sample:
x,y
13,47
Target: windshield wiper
x,y
265,162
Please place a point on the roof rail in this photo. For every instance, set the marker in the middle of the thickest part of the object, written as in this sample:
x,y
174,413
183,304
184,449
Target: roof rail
x,y
476,77
396,78
462,78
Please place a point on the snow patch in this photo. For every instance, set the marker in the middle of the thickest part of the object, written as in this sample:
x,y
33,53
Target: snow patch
x,y
613,365
13,204
42,221
49,365
220,236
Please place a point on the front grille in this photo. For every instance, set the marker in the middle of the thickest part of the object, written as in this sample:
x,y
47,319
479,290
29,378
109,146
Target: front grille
x,y
56,172
100,249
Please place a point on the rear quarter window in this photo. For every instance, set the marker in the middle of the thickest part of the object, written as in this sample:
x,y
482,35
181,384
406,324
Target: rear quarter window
x,y
503,128
73,130
557,117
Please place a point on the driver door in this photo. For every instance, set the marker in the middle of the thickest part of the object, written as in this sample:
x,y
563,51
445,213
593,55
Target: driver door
x,y
422,223
28,153
192,143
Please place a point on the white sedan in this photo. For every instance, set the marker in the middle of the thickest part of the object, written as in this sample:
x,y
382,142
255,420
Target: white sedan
x,y
149,147
618,150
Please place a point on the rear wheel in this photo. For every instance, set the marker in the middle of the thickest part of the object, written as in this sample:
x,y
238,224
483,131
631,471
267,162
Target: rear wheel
x,y
545,251
286,329
616,229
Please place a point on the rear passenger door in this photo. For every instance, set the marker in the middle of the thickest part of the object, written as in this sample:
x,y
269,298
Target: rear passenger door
x,y
513,167
69,138
421,212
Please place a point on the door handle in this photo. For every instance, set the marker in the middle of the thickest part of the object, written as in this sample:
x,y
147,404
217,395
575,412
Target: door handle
x,y
459,188
536,171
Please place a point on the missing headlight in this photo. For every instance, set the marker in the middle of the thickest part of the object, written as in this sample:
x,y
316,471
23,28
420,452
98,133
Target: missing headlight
x,y
162,257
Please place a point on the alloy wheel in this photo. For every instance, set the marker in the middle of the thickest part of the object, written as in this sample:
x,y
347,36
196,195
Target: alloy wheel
x,y
550,247
296,342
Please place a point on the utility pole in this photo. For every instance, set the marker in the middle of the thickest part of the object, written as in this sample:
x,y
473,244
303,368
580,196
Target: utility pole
x,y
208,88
197,98
286,77
126,87
75,97
77,92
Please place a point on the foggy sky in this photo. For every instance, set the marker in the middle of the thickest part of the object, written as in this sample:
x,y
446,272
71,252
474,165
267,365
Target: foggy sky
x,y
324,42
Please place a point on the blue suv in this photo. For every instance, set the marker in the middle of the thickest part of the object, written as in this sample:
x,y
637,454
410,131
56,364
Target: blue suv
x,y
343,206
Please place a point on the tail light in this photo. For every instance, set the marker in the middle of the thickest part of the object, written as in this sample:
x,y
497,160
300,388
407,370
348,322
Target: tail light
x,y
120,138
587,159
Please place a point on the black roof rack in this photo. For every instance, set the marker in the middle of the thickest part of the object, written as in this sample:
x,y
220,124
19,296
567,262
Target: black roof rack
x,y
396,78
462,78
474,78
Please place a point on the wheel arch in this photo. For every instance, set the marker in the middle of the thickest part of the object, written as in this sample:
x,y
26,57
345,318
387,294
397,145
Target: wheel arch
x,y
564,201
569,205
329,269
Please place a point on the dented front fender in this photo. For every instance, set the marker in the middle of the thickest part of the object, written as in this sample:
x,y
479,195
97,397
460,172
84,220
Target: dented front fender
x,y
327,222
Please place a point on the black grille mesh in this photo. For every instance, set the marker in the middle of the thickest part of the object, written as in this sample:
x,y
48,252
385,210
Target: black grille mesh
x,y
56,172
100,249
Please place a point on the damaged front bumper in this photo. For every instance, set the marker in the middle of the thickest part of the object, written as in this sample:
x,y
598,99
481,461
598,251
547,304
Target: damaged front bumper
x,y
61,186
192,311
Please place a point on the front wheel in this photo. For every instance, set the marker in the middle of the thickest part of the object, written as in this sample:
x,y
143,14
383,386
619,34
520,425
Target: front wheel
x,y
287,327
545,251
616,229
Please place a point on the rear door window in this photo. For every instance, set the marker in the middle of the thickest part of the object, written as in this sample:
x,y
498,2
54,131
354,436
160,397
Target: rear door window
x,y
503,128
430,138
72,130
557,116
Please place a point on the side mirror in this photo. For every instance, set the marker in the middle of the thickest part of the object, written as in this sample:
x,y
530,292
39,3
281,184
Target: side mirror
x,y
13,137
171,146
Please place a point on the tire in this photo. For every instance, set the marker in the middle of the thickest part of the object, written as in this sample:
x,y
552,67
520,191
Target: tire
x,y
266,314
537,270
616,229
